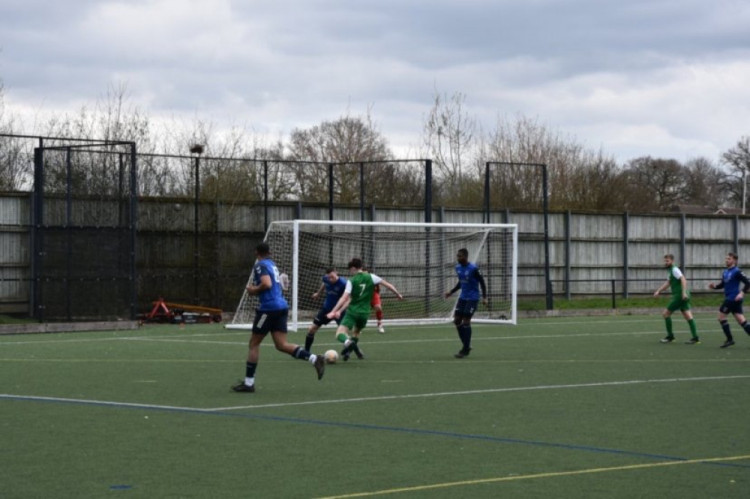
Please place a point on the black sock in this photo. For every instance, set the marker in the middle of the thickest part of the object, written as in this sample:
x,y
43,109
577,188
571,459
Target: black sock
x,y
467,333
725,328
464,332
250,369
746,326
353,347
461,334
300,353
309,341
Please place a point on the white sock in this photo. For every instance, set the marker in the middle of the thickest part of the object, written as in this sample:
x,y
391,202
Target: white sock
x,y
348,342
313,358
249,381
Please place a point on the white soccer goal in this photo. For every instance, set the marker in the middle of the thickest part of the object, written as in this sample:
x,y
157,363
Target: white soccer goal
x,y
418,258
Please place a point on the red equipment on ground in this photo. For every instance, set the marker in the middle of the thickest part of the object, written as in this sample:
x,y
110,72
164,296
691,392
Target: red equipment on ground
x,y
164,311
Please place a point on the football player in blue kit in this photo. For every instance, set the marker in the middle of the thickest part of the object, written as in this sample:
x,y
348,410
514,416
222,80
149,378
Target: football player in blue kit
x,y
270,317
733,296
333,286
470,280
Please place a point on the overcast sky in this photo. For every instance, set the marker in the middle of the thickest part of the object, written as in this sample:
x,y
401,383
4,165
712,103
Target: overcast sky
x,y
665,78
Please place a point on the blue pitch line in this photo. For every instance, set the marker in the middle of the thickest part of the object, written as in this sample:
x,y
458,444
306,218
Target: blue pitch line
x,y
363,426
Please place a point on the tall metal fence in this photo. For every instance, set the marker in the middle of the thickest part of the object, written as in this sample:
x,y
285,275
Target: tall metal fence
x,y
84,230
82,247
75,240
587,250
107,230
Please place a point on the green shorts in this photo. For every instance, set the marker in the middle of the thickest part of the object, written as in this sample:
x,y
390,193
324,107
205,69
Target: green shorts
x,y
678,303
355,321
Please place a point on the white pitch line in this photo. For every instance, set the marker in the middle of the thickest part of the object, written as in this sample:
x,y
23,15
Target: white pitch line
x,y
119,338
364,399
171,339
245,333
110,403
477,392
183,339
438,340
186,340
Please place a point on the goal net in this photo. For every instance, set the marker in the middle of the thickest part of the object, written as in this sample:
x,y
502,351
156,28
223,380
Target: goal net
x,y
419,259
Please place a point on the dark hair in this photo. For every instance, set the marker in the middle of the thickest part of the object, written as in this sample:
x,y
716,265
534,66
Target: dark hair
x,y
330,269
733,255
355,263
463,252
670,256
263,249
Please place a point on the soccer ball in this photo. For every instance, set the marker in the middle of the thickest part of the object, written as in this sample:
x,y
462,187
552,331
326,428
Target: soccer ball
x,y
331,356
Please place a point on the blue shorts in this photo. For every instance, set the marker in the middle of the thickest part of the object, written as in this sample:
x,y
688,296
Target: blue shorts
x,y
270,322
731,307
322,320
465,308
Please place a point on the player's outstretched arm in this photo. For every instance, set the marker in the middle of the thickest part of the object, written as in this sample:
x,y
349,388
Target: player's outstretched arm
x,y
340,305
392,288
482,286
455,288
320,290
661,288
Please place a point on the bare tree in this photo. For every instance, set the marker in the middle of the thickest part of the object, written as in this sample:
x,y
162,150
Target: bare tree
x,y
111,119
346,140
236,173
738,160
232,165
655,184
597,184
706,185
15,159
524,141
449,134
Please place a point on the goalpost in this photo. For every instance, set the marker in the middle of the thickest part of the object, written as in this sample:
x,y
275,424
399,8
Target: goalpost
x,y
418,258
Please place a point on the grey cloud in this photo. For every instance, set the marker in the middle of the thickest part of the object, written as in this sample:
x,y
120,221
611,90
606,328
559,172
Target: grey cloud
x,y
574,62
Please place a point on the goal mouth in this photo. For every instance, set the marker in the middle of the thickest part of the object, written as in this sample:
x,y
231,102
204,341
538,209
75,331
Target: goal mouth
x,y
419,259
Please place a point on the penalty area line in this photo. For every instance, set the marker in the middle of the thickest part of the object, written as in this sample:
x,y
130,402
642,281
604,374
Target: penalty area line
x,y
552,474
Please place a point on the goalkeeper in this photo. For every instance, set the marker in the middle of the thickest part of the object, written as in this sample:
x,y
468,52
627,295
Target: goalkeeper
x,y
356,301
333,285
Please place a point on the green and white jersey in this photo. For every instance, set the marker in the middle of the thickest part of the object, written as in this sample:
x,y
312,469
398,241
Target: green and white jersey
x,y
361,288
675,280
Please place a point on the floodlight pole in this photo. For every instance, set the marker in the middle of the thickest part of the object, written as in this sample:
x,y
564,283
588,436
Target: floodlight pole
x,y
132,229
428,191
330,191
744,189
545,210
196,149
265,195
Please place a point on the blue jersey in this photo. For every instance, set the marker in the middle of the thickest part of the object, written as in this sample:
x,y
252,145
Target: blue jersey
x,y
270,299
469,279
333,292
730,281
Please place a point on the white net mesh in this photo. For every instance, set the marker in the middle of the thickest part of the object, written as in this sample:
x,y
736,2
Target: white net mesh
x,y
418,259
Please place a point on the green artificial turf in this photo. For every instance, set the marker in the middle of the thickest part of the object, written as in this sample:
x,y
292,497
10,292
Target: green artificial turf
x,y
579,407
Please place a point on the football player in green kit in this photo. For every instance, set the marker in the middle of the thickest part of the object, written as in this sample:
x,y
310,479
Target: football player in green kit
x,y
356,301
680,301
